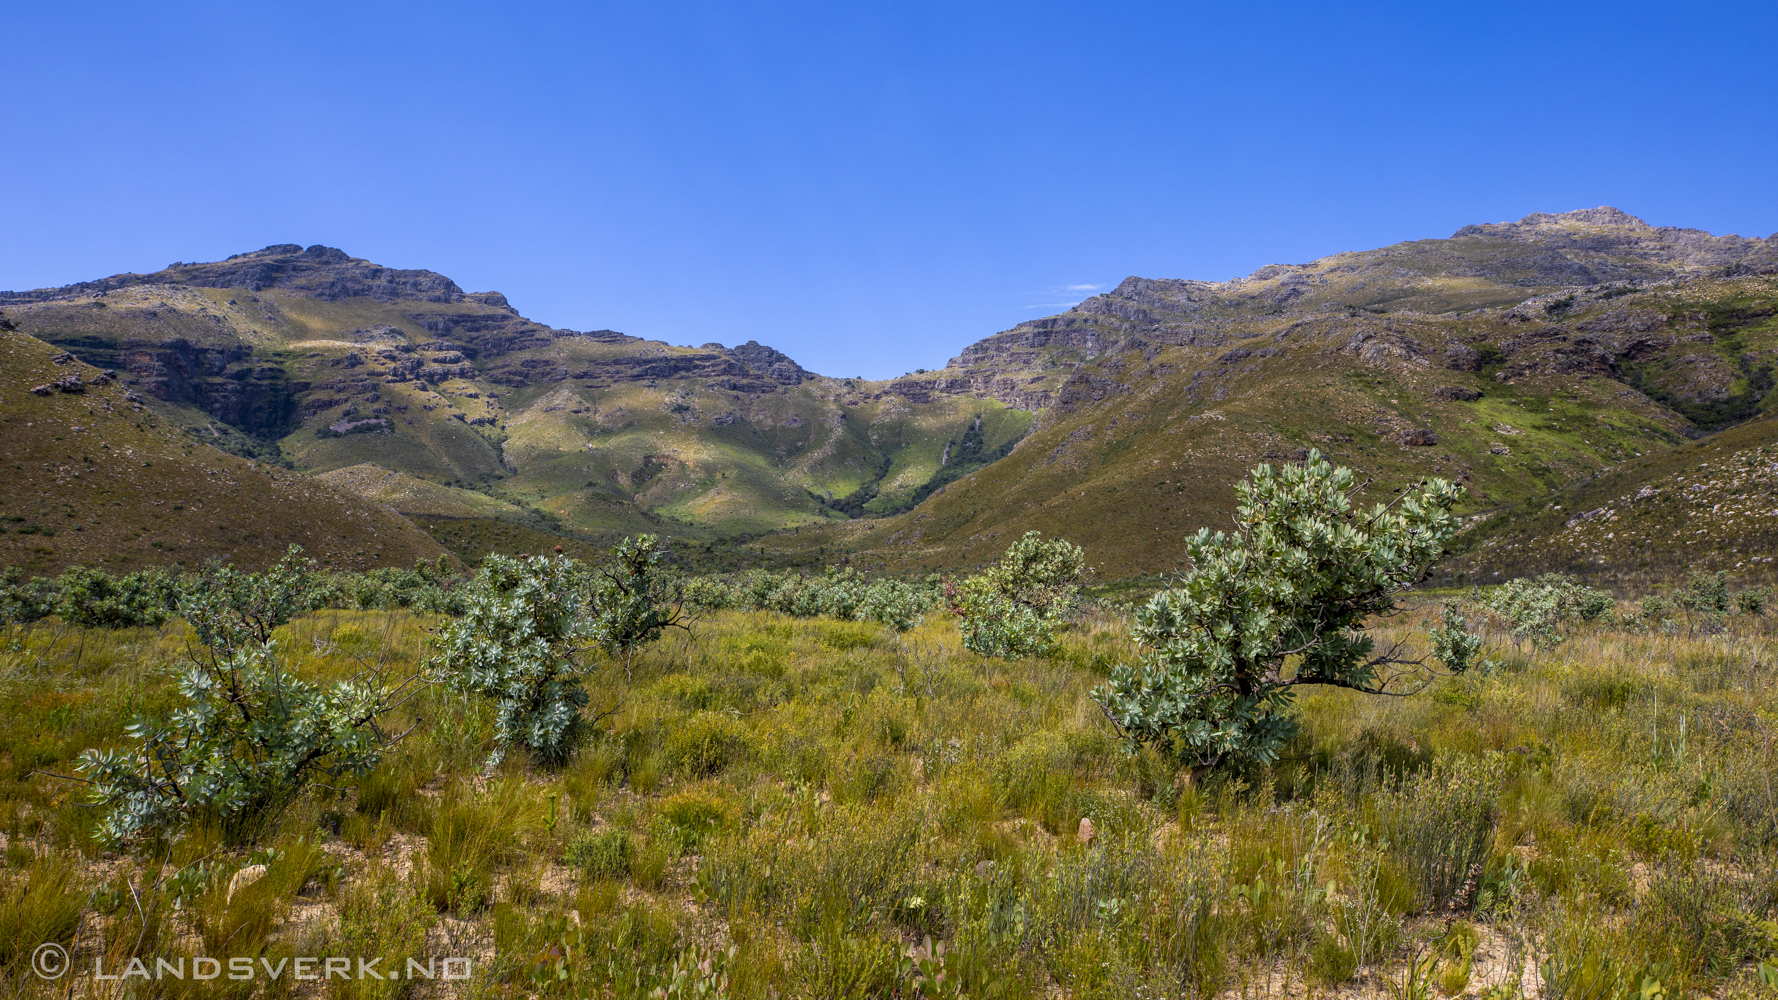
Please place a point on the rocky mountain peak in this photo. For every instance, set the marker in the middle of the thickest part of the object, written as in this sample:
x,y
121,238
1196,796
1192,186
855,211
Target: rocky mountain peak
x,y
1604,215
769,361
320,272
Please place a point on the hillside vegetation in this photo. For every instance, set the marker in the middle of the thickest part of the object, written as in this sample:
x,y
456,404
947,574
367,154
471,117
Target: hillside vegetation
x,y
95,477
1707,506
1520,359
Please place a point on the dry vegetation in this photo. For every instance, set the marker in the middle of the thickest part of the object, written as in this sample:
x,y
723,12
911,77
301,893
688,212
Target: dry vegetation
x,y
97,476
791,807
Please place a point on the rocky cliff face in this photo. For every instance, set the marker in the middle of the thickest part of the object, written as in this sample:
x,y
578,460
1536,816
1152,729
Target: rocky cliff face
x,y
461,387
1633,249
253,394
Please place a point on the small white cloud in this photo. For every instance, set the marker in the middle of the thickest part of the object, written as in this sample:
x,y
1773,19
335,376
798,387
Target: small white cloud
x,y
1052,305
1082,288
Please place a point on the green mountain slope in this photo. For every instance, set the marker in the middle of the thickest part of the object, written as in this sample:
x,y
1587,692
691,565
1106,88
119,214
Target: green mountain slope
x,y
335,363
1709,505
1161,394
93,475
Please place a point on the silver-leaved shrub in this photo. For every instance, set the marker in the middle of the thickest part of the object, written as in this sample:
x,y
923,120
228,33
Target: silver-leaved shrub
x,y
1280,603
524,623
251,736
1012,608
1539,610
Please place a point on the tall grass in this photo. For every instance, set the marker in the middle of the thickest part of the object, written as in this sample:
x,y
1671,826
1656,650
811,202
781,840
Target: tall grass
x,y
821,798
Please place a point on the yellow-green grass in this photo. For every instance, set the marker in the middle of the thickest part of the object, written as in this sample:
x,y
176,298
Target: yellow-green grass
x,y
416,496
819,796
89,478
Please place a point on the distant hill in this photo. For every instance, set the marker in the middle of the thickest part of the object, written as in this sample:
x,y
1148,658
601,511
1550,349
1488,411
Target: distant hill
x,y
94,477
1521,358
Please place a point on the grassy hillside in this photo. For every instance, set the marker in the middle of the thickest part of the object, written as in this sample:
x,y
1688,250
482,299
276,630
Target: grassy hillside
x,y
416,496
93,478
341,366
1143,441
1706,506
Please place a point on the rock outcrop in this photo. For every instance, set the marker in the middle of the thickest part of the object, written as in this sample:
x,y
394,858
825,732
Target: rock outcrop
x,y
318,272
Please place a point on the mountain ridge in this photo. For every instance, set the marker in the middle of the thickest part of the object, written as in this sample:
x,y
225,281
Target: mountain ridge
x,y
1403,359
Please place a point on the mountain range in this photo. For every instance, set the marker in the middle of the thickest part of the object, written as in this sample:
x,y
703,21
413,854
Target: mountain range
x,y
1529,360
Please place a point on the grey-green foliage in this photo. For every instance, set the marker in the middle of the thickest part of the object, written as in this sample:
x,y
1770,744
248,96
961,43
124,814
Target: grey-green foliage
x,y
251,736
1012,609
630,601
1453,644
839,593
1753,602
516,643
1705,593
1296,583
1539,609
25,599
895,603
95,599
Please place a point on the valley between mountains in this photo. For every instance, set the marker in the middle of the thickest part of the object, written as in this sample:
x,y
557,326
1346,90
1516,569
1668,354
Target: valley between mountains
x,y
1591,379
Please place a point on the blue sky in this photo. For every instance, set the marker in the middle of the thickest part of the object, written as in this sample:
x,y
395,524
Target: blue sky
x,y
868,187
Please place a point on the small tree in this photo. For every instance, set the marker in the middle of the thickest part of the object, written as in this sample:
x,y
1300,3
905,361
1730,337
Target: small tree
x,y
516,643
1281,603
251,736
1012,609
631,603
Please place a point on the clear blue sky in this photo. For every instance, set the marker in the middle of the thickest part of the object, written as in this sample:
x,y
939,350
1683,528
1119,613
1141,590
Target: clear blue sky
x,y
868,187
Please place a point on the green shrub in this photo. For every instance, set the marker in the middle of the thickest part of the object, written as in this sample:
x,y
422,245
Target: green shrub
x,y
708,743
251,736
898,605
91,598
1539,610
693,815
630,602
516,645
1753,602
1013,608
1706,593
1299,582
603,854
25,600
